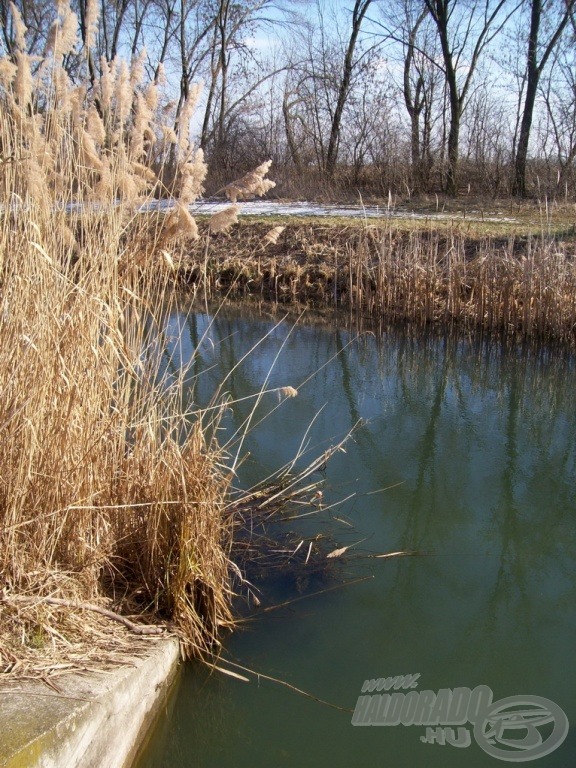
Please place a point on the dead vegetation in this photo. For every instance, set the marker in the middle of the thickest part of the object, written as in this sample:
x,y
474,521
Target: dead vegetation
x,y
113,493
511,285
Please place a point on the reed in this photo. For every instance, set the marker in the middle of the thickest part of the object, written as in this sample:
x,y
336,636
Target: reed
x,y
522,286
110,492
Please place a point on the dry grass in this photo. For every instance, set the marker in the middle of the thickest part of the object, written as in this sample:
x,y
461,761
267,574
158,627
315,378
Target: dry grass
x,y
109,493
512,285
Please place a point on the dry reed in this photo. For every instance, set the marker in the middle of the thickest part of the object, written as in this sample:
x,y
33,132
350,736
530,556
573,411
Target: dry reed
x,y
252,184
516,286
108,493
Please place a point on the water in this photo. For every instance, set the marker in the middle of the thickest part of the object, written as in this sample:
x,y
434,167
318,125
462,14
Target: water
x,y
467,457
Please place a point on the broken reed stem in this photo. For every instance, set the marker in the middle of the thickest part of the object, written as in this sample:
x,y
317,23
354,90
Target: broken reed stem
x,y
138,629
278,681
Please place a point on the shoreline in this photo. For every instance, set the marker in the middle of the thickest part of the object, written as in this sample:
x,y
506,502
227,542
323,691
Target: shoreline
x,y
521,286
96,719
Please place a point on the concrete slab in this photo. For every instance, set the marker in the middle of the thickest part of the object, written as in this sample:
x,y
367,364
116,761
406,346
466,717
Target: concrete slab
x,y
97,721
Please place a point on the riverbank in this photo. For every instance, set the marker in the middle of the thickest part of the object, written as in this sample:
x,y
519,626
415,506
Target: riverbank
x,y
475,217
447,273
116,497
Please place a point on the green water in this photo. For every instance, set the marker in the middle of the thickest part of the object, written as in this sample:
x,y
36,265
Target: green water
x,y
475,446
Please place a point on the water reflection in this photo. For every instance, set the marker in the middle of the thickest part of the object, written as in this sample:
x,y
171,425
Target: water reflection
x,y
475,443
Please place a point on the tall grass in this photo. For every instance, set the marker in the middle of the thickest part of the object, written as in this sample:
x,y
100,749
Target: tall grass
x,y
522,286
107,493
526,288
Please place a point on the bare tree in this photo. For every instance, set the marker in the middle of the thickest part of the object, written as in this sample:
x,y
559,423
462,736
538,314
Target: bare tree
x,y
464,33
112,19
37,16
537,58
328,71
420,83
485,140
558,91
228,25
310,93
164,28
358,14
289,100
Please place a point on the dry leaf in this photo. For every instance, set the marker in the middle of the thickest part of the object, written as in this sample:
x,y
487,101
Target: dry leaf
x,y
338,552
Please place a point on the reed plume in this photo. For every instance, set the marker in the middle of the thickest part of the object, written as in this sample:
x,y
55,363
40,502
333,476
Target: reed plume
x,y
184,118
19,28
92,16
252,184
220,222
192,175
271,237
180,225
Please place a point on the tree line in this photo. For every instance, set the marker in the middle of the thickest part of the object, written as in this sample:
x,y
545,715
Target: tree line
x,y
411,96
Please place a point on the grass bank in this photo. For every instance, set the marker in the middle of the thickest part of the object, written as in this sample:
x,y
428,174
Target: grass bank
x,y
449,273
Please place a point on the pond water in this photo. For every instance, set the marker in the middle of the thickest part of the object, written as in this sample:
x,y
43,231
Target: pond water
x,y
465,456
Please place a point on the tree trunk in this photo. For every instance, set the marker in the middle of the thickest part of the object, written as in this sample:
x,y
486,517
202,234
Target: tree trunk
x,y
290,138
360,8
452,48
533,73
441,19
414,103
453,143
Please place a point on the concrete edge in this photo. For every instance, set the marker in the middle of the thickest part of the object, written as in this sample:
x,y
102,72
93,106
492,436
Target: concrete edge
x,y
99,720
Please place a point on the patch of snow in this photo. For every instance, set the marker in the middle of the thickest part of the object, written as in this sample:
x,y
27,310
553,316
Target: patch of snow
x,y
272,208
